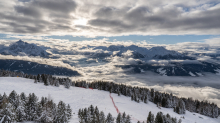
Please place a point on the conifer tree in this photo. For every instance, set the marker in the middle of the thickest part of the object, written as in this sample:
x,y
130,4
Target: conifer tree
x,y
150,118
69,112
12,98
92,109
101,117
8,113
23,97
119,118
109,118
80,116
159,118
123,117
31,107
145,99
61,113
20,114
46,82
128,119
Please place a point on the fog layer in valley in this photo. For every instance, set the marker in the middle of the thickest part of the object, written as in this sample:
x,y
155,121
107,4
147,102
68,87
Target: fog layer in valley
x,y
98,60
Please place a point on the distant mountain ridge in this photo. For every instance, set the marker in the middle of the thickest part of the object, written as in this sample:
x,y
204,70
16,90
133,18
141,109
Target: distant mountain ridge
x,y
157,59
137,52
21,48
175,69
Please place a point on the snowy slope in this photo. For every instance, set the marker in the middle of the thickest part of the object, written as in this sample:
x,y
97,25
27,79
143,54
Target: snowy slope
x,y
21,48
81,98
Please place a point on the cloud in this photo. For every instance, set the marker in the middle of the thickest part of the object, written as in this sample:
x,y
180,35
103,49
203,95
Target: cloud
x,y
213,41
38,17
76,56
33,12
168,19
110,18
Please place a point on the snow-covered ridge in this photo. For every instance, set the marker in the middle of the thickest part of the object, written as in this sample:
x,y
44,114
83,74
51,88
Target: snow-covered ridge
x,y
139,52
21,48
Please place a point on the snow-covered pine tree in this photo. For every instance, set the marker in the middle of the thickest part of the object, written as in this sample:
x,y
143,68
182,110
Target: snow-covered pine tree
x,y
101,117
8,113
31,107
23,97
119,118
35,80
4,101
128,119
109,118
159,118
20,114
61,113
150,118
80,116
44,118
180,108
12,98
46,81
123,117
67,84
56,83
145,99
69,112
96,111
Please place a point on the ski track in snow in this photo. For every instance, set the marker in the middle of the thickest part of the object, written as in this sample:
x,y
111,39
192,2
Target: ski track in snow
x,y
82,98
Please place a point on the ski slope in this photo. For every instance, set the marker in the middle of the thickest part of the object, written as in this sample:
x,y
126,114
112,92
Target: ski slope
x,y
81,98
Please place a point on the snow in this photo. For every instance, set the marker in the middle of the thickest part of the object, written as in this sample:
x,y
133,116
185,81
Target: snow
x,y
191,74
218,71
162,72
81,98
148,53
200,74
21,48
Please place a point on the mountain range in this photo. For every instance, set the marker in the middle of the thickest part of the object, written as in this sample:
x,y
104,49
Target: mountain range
x,y
146,59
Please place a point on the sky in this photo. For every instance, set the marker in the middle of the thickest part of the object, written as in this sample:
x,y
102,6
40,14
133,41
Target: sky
x,y
152,21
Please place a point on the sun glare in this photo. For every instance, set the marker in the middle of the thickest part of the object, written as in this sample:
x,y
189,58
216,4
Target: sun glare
x,y
81,21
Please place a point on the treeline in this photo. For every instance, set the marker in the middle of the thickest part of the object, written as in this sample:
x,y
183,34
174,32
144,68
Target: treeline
x,y
161,118
180,105
92,115
42,78
21,108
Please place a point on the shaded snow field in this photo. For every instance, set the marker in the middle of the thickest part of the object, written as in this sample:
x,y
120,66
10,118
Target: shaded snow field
x,y
81,98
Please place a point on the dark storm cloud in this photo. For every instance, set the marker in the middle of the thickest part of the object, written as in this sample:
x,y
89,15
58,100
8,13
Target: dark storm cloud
x,y
28,11
64,6
24,0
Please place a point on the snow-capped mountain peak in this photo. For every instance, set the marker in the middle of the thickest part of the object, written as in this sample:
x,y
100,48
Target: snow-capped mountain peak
x,y
21,48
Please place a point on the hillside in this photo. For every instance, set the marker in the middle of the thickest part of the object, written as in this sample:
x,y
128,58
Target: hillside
x,y
35,68
81,98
